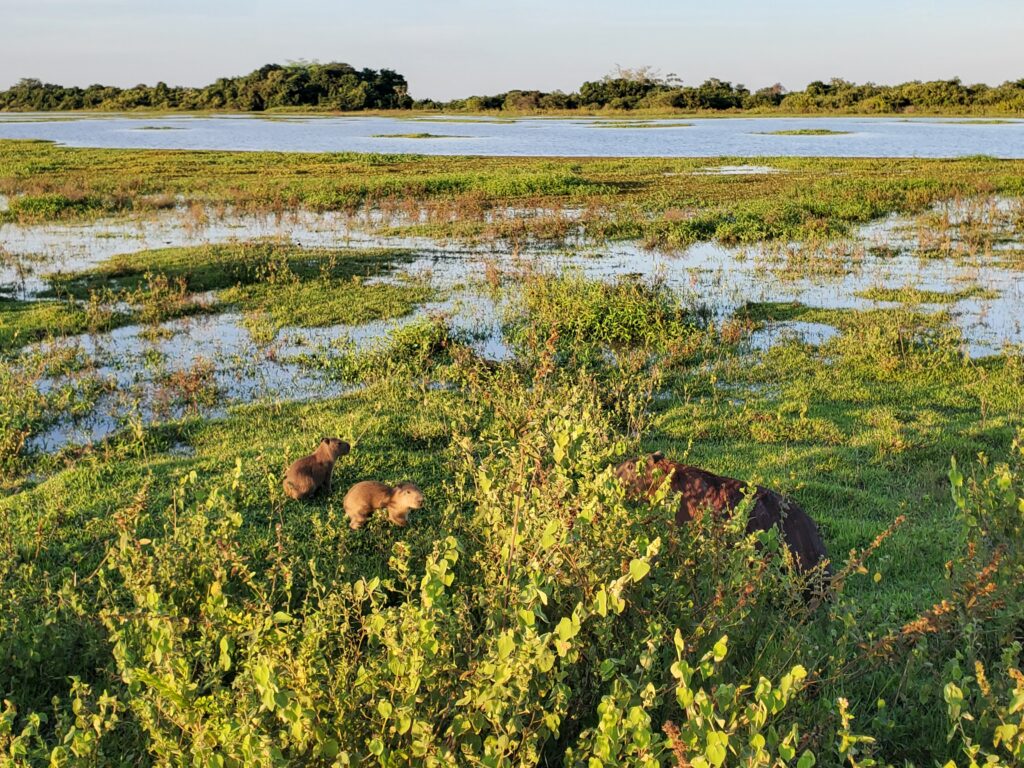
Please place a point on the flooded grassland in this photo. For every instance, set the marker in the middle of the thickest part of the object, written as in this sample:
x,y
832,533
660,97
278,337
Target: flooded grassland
x,y
176,327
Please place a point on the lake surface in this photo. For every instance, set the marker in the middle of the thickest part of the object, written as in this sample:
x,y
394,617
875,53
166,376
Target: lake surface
x,y
581,137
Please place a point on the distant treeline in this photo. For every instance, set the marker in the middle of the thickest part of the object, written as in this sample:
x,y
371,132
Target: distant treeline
x,y
326,86
633,92
337,86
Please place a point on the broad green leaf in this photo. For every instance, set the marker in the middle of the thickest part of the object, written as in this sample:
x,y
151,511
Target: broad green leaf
x,y
638,569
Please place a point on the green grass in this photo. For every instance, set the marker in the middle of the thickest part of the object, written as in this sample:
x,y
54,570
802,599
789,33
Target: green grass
x,y
320,303
909,295
287,284
657,200
25,322
858,428
216,267
858,431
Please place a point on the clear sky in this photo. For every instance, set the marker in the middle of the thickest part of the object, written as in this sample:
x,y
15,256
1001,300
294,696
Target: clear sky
x,y
451,48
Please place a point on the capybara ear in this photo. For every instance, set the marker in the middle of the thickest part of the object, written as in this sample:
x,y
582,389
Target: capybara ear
x,y
324,439
657,456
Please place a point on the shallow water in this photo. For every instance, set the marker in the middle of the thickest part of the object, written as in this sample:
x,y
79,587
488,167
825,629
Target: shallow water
x,y
808,333
734,170
135,361
579,137
59,247
722,278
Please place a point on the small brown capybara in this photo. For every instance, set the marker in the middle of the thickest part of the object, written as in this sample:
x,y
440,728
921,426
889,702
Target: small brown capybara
x,y
366,497
311,474
700,490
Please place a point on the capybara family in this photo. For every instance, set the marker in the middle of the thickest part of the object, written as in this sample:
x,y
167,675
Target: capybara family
x,y
311,474
368,496
700,490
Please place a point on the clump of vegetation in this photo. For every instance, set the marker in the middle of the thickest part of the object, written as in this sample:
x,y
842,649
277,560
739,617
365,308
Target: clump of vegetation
x,y
586,320
805,132
977,121
641,124
50,206
217,267
911,295
422,349
327,302
25,322
417,136
190,389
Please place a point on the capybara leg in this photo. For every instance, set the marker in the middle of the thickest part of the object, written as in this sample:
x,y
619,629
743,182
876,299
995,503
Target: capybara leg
x,y
356,520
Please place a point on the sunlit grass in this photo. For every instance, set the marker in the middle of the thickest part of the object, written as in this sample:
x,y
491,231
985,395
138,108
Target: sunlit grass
x,y
658,200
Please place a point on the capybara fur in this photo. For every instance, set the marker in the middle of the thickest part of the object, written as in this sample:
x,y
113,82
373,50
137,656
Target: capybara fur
x,y
366,497
311,474
700,490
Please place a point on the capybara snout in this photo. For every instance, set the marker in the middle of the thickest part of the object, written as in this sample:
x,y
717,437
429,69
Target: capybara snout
x,y
407,496
336,446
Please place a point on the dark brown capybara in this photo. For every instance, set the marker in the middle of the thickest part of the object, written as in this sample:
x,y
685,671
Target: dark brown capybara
x,y
311,474
366,497
700,490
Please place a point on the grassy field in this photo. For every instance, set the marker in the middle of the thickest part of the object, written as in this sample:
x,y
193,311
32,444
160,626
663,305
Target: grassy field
x,y
658,201
163,602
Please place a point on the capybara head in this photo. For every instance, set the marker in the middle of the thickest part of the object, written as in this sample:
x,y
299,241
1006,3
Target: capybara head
x,y
407,496
640,476
334,447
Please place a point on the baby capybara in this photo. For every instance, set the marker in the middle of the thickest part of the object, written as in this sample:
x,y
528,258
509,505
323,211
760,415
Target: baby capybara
x,y
311,474
366,497
700,490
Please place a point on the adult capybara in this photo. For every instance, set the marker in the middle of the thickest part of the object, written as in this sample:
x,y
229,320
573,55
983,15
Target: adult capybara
x,y
700,490
366,497
312,473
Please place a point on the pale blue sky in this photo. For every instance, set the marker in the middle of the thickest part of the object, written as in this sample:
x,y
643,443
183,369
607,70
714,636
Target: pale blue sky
x,y
450,48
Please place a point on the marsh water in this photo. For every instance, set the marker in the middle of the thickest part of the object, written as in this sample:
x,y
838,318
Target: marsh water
x,y
245,368
577,137
718,277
